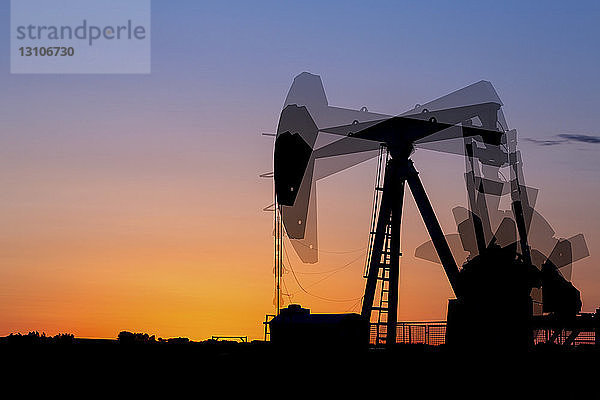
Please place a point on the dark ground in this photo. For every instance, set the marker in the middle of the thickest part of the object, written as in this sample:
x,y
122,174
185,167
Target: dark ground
x,y
177,369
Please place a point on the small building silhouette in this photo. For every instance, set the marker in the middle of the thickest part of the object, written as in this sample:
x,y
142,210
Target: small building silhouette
x,y
297,327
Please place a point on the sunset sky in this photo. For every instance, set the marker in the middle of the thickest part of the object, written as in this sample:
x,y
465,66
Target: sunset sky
x,y
133,202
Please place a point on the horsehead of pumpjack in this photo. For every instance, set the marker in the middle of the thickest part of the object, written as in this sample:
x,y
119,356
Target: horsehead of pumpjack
x,y
315,140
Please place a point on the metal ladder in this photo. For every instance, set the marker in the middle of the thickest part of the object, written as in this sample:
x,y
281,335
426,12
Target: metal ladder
x,y
383,282
383,277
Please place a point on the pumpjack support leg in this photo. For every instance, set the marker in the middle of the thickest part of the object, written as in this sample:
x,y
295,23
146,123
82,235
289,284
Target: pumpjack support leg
x,y
390,213
397,173
397,202
433,226
378,243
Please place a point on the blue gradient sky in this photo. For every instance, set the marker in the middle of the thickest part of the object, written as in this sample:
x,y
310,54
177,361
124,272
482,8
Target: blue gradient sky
x,y
117,170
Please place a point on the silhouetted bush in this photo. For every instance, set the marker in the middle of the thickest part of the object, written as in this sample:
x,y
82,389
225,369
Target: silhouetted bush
x,y
135,338
64,338
31,338
178,340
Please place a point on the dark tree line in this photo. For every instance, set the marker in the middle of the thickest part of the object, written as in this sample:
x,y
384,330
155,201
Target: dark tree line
x,y
36,338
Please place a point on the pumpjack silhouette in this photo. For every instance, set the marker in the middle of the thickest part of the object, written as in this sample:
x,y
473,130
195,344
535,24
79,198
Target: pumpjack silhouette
x,y
505,289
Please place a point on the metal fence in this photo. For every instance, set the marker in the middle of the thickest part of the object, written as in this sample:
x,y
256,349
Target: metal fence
x,y
583,338
422,332
433,333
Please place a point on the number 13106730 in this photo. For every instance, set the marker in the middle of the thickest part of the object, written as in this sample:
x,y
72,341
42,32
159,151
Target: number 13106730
x,y
46,51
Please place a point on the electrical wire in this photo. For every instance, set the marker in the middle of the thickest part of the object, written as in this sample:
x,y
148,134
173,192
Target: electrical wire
x,y
354,306
312,294
346,266
333,270
329,251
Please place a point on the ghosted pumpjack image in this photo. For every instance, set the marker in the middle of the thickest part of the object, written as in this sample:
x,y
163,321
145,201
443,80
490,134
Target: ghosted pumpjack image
x,y
515,278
